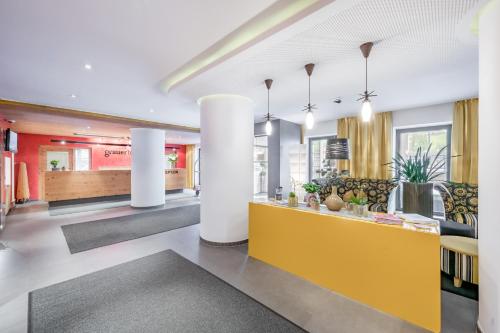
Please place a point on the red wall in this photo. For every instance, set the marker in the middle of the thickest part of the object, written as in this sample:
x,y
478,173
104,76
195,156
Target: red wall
x,y
102,154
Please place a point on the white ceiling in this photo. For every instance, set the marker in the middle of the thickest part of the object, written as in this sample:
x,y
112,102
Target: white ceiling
x,y
423,55
131,44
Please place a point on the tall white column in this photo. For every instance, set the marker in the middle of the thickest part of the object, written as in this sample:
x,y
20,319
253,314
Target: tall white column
x,y
148,167
489,166
226,167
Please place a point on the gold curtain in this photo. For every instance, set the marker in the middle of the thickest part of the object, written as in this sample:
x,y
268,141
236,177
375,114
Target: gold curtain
x,y
370,146
464,141
189,166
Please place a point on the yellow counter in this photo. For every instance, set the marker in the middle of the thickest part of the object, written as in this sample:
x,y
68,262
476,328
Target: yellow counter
x,y
390,268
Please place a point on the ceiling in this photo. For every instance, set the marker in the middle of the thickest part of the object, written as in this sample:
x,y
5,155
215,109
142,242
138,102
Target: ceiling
x,y
423,54
131,44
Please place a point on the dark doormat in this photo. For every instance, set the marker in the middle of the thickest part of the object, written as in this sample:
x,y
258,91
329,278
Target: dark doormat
x,y
468,290
163,292
90,235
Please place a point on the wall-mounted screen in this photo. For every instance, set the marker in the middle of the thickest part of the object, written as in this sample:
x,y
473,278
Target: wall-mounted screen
x,y
11,141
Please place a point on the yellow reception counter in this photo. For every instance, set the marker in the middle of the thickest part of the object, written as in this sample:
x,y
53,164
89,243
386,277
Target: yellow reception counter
x,y
394,269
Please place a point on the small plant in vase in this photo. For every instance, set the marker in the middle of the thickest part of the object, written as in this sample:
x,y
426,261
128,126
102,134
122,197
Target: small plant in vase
x,y
293,201
311,197
54,164
358,204
172,159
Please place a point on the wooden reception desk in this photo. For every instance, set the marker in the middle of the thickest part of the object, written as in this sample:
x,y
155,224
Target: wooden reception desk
x,y
393,269
68,185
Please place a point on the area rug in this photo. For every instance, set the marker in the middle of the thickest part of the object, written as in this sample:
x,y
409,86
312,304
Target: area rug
x,y
90,235
163,292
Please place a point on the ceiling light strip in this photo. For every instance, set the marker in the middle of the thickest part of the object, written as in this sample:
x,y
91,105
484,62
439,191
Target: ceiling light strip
x,y
274,18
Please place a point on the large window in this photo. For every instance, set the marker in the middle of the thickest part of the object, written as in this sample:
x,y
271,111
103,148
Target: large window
x,y
319,166
260,165
408,140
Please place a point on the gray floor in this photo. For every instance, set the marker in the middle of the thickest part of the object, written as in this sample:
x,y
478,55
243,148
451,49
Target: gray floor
x,y
37,256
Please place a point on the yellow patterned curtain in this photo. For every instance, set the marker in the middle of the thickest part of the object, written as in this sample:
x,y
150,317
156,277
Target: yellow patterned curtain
x,y
189,166
464,141
370,144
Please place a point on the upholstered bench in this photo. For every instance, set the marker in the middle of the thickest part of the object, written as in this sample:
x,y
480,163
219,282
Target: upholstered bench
x,y
459,232
378,191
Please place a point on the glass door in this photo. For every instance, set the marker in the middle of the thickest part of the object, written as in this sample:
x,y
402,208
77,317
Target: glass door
x,y
260,166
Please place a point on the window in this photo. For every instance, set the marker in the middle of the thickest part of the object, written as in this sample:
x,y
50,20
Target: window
x,y
260,165
62,158
410,139
82,159
319,166
407,142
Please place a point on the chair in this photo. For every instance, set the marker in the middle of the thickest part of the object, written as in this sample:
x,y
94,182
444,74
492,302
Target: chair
x,y
461,209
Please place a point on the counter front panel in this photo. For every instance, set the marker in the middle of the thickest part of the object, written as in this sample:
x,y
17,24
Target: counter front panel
x,y
68,185
389,268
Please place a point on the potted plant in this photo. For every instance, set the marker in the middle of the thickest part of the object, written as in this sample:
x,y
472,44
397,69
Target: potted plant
x,y
312,193
54,164
359,205
415,174
172,159
293,200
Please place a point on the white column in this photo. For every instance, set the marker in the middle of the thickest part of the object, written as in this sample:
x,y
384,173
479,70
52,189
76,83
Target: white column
x,y
226,167
148,167
489,166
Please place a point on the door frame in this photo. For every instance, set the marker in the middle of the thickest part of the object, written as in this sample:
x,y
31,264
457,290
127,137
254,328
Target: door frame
x,y
42,164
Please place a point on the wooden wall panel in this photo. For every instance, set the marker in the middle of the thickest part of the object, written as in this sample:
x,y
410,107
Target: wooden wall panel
x,y
68,185
175,179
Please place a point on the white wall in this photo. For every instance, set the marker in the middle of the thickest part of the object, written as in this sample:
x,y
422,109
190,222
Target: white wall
x,y
489,161
422,116
428,115
323,128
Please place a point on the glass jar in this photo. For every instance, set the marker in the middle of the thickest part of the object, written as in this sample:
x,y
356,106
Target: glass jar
x,y
278,194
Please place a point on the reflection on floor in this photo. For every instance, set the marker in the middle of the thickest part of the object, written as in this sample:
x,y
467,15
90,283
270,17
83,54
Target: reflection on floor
x,y
37,256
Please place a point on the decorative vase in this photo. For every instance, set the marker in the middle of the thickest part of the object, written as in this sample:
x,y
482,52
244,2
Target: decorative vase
x,y
333,201
313,201
293,202
360,210
308,196
418,198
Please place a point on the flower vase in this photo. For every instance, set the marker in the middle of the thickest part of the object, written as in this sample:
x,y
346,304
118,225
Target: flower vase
x,y
293,202
333,201
313,201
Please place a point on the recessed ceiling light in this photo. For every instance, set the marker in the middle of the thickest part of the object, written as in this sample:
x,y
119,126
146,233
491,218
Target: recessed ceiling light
x,y
88,66
72,96
151,110
63,142
88,127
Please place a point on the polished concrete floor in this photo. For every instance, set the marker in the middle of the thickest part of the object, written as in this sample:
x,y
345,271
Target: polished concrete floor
x,y
36,256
